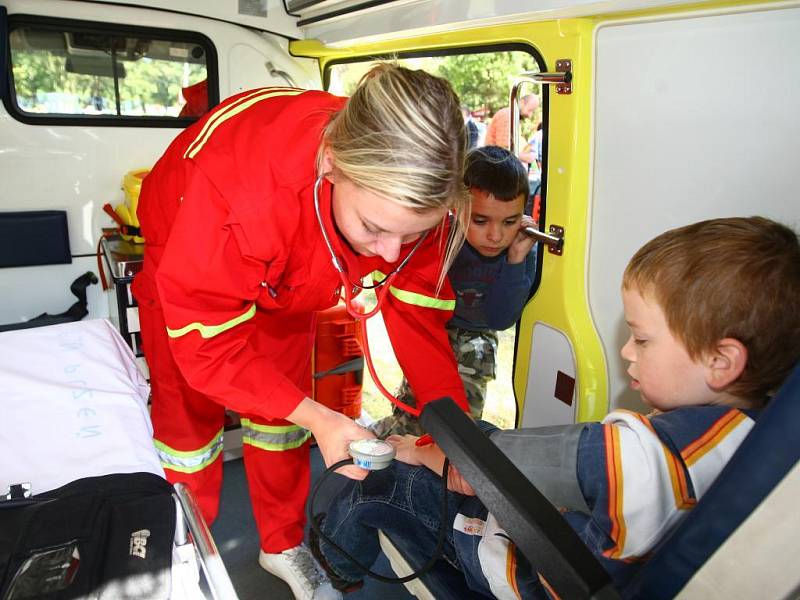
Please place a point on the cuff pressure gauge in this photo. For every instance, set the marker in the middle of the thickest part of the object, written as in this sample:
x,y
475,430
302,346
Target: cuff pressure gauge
x,y
371,454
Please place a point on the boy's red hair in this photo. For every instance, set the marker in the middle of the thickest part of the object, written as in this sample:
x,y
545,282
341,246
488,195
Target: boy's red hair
x,y
733,277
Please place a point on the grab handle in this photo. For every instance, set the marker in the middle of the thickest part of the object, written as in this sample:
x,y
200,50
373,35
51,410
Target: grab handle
x,y
561,78
553,240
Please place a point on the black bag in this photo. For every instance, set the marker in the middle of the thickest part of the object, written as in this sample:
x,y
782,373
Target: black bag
x,y
98,538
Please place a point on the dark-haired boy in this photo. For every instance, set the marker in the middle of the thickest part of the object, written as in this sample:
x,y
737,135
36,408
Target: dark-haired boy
x,y
491,276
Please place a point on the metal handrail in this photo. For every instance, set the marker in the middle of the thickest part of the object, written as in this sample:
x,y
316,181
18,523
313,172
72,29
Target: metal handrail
x,y
219,582
275,72
531,77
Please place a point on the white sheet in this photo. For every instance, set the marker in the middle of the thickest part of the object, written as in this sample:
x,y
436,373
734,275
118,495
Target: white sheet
x,y
72,404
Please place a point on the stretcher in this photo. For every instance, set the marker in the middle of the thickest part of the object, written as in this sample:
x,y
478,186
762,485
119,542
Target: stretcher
x,y
74,406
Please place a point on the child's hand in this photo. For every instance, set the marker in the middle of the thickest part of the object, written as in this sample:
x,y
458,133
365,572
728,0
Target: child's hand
x,y
431,456
456,483
428,455
522,244
406,449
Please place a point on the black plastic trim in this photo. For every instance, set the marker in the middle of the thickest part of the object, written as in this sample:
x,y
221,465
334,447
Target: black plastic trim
x,y
4,51
340,12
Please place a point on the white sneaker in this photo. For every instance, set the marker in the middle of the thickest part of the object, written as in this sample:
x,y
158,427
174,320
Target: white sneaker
x,y
298,568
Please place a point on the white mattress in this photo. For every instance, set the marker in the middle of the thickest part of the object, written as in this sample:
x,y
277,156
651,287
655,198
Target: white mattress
x,y
72,404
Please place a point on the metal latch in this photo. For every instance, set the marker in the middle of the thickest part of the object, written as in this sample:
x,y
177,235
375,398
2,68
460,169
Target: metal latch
x,y
564,65
553,240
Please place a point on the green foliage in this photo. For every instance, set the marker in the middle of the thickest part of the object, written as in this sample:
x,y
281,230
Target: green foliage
x,y
43,84
483,81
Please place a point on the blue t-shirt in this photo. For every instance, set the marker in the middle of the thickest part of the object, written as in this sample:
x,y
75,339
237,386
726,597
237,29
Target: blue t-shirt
x,y
490,292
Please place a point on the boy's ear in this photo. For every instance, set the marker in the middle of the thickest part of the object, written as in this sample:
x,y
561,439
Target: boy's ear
x,y
725,363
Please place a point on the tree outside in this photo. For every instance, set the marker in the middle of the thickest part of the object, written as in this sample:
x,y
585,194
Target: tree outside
x,y
482,80
56,79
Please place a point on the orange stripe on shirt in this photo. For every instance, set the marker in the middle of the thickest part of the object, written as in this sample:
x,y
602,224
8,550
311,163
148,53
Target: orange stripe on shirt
x,y
715,434
614,475
677,474
551,592
511,569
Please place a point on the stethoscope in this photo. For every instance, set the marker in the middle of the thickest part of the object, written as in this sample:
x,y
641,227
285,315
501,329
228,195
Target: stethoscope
x,y
350,289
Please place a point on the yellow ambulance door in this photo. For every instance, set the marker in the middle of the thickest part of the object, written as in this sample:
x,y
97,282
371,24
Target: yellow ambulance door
x,y
559,373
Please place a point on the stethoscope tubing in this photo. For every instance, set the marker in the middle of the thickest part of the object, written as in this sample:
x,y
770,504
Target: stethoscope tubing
x,y
381,289
348,286
441,535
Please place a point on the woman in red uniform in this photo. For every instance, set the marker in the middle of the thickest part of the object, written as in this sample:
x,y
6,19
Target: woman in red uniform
x,y
241,217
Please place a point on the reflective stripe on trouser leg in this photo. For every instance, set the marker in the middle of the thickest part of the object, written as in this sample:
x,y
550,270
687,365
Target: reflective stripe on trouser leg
x,y
276,452
279,481
200,469
187,425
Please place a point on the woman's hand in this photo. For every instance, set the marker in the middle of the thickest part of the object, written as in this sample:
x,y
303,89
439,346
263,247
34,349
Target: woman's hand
x,y
333,432
521,246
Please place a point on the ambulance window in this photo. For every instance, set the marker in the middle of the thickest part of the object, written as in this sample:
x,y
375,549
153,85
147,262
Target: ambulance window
x,y
70,72
482,79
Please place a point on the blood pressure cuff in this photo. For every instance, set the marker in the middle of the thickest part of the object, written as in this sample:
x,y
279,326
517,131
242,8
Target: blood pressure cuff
x,y
548,457
103,538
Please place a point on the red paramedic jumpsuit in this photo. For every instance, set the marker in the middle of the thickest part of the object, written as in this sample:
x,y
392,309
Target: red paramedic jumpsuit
x,y
235,268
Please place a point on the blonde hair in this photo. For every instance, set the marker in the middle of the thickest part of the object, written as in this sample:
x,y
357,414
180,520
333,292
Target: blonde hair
x,y
736,277
401,136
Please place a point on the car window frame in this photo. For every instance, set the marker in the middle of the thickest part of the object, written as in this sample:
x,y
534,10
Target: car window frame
x,y
9,95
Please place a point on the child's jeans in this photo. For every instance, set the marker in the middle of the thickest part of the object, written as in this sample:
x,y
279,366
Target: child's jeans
x,y
405,503
402,501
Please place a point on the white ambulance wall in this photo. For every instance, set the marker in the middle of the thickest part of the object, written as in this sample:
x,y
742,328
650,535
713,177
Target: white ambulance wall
x,y
696,118
80,168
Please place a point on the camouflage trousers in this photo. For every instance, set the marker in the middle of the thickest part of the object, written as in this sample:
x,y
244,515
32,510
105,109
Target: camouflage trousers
x,y
476,355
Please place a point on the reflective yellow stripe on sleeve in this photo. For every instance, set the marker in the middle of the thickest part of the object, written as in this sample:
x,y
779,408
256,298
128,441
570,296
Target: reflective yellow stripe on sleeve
x,y
231,111
417,299
273,437
190,461
209,331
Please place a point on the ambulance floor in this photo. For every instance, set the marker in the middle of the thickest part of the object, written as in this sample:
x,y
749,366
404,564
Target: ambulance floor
x,y
234,532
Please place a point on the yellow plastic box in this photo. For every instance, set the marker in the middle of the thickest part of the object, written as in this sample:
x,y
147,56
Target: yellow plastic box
x,y
131,185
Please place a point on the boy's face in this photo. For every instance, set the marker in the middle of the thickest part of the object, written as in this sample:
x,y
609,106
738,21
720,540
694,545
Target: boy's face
x,y
494,223
661,369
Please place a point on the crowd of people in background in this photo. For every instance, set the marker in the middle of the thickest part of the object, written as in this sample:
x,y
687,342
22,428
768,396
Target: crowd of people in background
x,y
495,132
